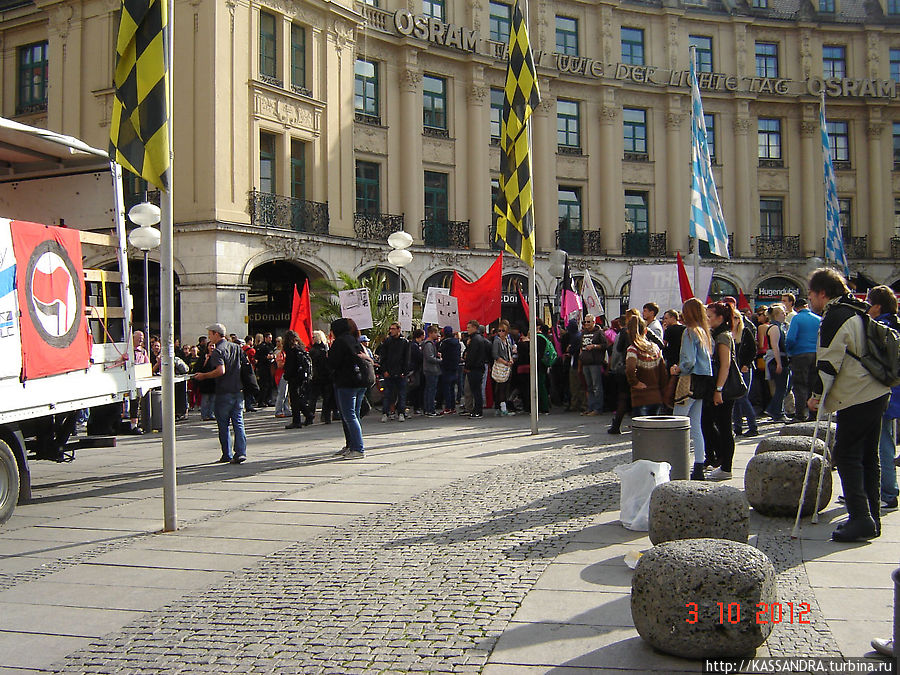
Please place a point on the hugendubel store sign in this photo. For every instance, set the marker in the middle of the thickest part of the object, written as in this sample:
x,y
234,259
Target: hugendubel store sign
x,y
468,40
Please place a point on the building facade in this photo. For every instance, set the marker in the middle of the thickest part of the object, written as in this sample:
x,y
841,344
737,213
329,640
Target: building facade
x,y
306,132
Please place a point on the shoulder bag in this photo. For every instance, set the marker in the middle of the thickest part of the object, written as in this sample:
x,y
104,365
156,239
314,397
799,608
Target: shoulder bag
x,y
500,372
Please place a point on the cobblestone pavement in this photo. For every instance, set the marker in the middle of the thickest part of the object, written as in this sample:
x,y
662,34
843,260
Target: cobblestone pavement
x,y
427,585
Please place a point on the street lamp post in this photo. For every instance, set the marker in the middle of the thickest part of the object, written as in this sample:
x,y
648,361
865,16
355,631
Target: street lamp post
x,y
146,238
399,257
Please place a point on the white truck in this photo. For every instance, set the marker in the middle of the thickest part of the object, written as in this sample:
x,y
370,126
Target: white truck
x,y
65,332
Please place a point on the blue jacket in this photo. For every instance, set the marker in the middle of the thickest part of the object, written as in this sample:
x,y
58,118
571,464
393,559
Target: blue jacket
x,y
803,333
893,409
694,359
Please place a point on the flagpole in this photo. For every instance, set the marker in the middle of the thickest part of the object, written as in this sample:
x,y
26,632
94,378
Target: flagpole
x,y
532,280
695,240
167,307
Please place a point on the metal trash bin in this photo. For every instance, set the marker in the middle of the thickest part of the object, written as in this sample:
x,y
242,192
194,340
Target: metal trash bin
x,y
663,438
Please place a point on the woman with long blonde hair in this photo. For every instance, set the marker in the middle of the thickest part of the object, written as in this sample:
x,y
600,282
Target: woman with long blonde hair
x,y
695,368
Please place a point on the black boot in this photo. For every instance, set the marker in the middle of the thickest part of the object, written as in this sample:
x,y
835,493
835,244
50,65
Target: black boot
x,y
697,472
614,427
860,525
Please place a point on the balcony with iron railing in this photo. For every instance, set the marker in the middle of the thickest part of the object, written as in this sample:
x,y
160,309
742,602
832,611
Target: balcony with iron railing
x,y
376,226
644,244
580,242
704,247
774,248
895,248
446,234
855,248
271,210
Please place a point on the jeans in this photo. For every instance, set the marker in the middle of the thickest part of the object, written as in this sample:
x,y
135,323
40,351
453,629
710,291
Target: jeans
x,y
642,410
394,388
743,408
349,402
476,380
282,406
593,378
776,406
801,378
449,380
229,408
431,385
207,406
694,409
887,448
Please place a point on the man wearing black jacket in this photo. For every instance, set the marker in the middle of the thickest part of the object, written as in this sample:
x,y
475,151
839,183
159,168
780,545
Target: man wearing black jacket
x,y
478,352
393,355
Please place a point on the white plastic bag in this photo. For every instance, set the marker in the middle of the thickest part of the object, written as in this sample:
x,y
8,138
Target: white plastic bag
x,y
638,480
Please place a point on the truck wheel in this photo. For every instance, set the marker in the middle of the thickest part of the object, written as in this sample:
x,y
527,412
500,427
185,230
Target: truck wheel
x,y
9,482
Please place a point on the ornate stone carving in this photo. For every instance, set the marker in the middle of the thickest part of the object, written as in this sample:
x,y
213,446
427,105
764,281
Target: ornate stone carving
x,y
369,255
673,120
846,181
439,150
547,106
287,111
476,15
231,4
571,167
808,129
874,129
873,56
609,114
637,172
673,42
61,20
805,53
741,126
740,46
410,80
450,259
342,34
606,32
771,180
370,139
476,94
294,249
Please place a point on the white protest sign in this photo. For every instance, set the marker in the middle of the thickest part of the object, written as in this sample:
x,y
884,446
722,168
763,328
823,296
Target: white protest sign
x,y
447,311
429,314
592,302
404,311
355,305
659,284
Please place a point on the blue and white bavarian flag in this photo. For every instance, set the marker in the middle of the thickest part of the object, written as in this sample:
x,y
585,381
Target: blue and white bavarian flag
x,y
707,221
834,239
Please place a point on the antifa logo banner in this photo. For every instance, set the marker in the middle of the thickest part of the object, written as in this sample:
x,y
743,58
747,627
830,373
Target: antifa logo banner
x,y
50,287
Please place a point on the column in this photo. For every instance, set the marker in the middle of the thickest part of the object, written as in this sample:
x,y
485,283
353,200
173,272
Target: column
x,y
478,180
543,171
742,161
613,212
677,185
811,228
413,200
877,240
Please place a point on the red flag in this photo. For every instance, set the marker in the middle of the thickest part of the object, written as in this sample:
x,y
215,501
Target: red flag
x,y
684,284
479,300
301,314
50,286
522,300
742,301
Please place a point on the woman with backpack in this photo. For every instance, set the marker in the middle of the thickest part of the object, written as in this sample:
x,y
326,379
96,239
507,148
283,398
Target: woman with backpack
x,y
353,372
298,371
617,369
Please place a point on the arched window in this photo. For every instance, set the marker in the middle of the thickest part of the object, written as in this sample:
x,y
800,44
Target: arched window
x,y
390,287
271,296
719,288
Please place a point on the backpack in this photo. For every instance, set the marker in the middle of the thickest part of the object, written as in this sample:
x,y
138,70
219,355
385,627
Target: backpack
x,y
550,355
248,377
881,356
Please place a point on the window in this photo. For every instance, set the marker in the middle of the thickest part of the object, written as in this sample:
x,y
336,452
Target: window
x,y
845,217
497,98
569,208
826,6
434,90
635,122
769,135
436,202
298,169
433,8
896,217
771,218
33,68
267,163
370,3
567,124
710,120
760,4
895,64
368,187
637,212
500,21
633,46
366,88
268,63
893,7
834,60
896,146
766,59
704,52
298,60
839,140
566,35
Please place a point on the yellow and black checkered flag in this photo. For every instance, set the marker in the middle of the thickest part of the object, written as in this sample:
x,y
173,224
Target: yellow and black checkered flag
x,y
139,132
514,206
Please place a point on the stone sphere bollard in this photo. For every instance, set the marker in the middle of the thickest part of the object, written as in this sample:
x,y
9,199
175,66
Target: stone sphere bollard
x,y
697,598
773,481
806,429
788,443
688,509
